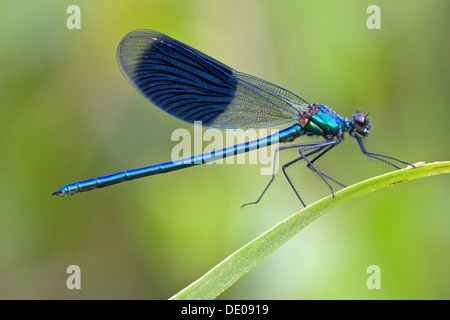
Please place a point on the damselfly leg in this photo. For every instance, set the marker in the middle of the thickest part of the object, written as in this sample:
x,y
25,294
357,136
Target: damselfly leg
x,y
314,147
377,155
317,157
274,170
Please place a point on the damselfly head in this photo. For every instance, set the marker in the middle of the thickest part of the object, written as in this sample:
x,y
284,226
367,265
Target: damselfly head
x,y
361,124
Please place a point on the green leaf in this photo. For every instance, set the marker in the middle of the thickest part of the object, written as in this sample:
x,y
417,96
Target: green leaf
x,y
227,272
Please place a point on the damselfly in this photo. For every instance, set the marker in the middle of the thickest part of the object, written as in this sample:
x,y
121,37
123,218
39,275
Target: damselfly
x,y
192,86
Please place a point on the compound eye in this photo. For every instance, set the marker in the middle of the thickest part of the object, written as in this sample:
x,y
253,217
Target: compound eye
x,y
359,119
360,124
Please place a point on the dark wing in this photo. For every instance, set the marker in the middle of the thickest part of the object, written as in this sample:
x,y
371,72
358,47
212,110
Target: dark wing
x,y
192,86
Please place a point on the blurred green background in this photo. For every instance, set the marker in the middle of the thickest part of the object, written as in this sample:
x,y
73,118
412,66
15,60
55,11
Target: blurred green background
x,y
67,114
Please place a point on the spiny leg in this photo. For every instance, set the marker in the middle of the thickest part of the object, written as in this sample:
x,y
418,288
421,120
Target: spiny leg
x,y
286,165
321,154
312,167
271,180
319,147
377,155
274,169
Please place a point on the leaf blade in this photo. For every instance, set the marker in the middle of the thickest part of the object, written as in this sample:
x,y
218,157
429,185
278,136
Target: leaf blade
x,y
227,272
